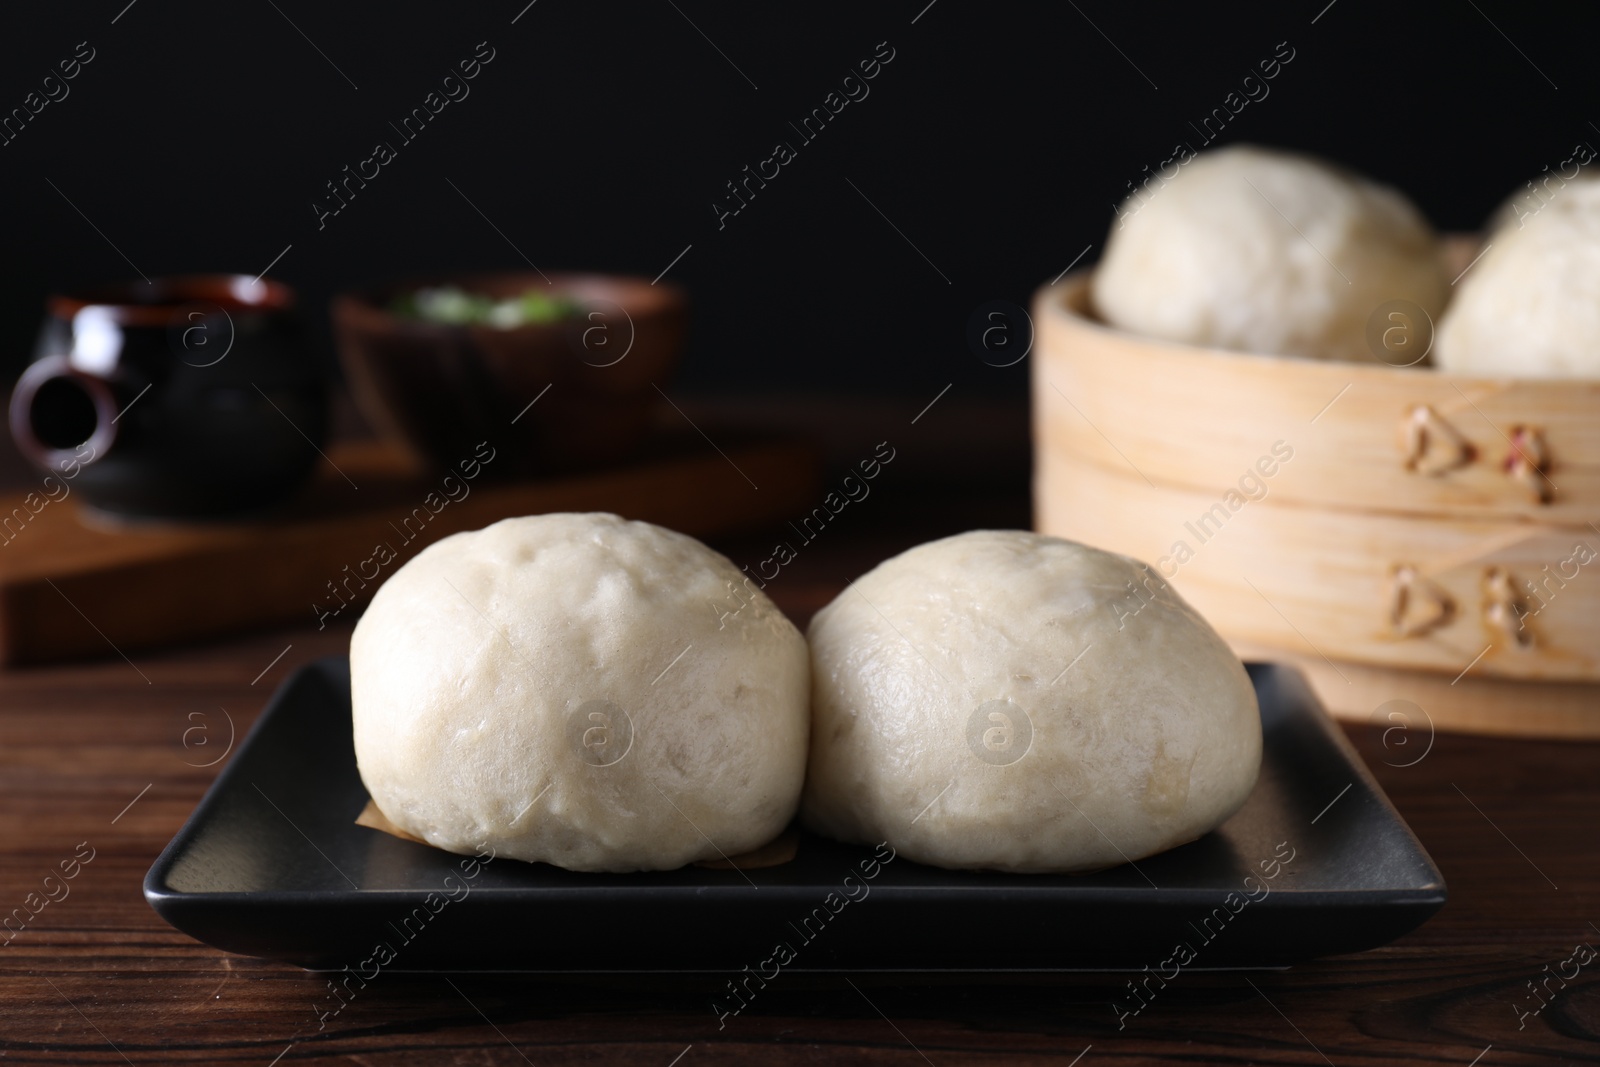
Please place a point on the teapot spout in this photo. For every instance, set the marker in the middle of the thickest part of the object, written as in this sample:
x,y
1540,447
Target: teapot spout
x,y
62,417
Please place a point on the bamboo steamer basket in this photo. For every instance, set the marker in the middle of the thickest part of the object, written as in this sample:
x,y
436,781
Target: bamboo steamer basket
x,y
1421,536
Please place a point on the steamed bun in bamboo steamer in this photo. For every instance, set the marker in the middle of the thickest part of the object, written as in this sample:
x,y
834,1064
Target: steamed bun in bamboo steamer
x,y
1255,250
1530,308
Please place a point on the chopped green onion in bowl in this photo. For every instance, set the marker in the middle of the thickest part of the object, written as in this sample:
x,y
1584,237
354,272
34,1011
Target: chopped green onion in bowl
x,y
452,306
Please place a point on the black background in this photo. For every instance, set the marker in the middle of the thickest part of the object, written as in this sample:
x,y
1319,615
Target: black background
x,y
997,140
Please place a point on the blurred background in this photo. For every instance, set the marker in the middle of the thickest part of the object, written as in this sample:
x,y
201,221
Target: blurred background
x,y
988,155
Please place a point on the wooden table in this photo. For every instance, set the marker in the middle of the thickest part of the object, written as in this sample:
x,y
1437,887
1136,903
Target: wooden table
x,y
96,753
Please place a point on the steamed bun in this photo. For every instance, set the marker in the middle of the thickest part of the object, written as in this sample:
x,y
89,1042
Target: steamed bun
x,y
1527,203
1262,251
1530,308
590,692
1018,702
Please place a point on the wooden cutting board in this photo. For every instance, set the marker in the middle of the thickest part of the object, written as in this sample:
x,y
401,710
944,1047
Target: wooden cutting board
x,y
76,584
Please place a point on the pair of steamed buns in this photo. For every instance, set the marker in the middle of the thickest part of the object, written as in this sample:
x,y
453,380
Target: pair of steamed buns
x,y
607,695
1255,250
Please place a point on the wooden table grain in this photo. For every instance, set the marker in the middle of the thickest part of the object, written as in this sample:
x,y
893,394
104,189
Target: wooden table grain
x,y
101,762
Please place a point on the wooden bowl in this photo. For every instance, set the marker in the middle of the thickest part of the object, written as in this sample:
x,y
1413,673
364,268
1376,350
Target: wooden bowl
x,y
443,389
1404,533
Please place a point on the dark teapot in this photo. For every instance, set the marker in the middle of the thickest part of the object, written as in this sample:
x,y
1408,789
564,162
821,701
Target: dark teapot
x,y
182,397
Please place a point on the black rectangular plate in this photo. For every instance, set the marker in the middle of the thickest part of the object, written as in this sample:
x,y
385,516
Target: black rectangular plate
x,y
272,864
